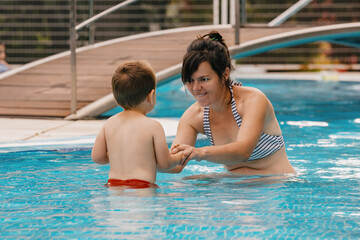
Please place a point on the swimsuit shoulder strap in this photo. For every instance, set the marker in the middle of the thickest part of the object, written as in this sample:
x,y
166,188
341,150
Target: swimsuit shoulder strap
x,y
206,120
206,125
233,104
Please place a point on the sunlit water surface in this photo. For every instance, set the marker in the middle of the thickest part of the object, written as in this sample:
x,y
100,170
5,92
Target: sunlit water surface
x,y
59,193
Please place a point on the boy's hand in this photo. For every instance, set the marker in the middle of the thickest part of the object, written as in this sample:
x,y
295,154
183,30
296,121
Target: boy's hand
x,y
174,149
189,152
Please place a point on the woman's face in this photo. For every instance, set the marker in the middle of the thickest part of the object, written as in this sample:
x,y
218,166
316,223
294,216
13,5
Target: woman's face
x,y
205,85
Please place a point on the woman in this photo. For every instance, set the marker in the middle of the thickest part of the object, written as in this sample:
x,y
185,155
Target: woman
x,y
239,121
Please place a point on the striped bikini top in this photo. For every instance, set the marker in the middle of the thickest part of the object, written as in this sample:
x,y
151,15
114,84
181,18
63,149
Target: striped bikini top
x,y
267,144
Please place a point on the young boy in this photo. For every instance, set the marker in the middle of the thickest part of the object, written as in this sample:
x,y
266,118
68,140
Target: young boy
x,y
4,66
133,144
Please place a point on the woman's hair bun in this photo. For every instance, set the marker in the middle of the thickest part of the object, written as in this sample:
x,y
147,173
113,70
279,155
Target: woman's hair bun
x,y
214,35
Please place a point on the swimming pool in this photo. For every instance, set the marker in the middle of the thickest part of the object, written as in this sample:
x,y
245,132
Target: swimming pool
x,y
57,192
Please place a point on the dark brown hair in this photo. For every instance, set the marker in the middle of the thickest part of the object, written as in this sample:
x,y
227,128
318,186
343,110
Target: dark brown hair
x,y
209,48
132,82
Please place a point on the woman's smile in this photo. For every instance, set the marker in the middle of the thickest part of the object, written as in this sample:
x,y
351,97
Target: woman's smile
x,y
201,95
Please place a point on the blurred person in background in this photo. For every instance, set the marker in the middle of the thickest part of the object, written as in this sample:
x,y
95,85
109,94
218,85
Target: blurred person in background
x,y
4,66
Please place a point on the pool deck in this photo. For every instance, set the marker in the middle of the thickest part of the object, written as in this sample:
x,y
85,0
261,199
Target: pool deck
x,y
43,88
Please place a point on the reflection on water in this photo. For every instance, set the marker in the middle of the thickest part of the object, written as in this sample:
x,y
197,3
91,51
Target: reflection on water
x,y
69,198
60,193
199,207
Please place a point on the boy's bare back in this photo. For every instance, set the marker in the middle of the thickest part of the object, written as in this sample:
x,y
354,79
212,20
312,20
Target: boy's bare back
x,y
130,139
136,147
133,144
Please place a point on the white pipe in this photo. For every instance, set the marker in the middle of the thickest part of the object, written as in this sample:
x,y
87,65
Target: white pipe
x,y
232,12
289,12
224,11
216,11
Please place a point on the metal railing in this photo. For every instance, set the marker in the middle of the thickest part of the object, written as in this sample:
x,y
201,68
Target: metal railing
x,y
237,13
237,18
29,38
73,38
289,13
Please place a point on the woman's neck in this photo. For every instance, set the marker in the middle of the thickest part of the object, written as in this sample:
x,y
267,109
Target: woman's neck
x,y
224,101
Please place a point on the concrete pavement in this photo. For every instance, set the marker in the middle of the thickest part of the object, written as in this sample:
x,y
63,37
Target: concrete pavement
x,y
26,132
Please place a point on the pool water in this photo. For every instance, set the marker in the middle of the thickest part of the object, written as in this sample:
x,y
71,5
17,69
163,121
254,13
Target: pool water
x,y
58,193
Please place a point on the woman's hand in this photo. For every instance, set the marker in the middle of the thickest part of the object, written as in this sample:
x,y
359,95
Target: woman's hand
x,y
188,153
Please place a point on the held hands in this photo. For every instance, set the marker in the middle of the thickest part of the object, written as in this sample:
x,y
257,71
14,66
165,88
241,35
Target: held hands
x,y
188,153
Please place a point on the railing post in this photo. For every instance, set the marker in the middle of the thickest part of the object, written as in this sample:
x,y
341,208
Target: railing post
x,y
92,25
237,22
73,98
243,13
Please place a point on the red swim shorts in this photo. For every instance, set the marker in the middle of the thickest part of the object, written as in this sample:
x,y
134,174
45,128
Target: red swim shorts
x,y
130,183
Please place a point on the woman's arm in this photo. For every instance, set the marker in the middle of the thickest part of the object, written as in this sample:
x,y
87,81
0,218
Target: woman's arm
x,y
253,121
228,154
186,132
99,152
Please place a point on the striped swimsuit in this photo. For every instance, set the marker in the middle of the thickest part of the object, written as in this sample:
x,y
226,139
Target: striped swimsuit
x,y
267,144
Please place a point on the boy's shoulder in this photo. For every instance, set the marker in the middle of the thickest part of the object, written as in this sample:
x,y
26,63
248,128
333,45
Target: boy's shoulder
x,y
141,121
151,126
152,122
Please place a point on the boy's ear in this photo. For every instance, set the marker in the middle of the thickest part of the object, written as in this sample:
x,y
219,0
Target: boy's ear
x,y
150,96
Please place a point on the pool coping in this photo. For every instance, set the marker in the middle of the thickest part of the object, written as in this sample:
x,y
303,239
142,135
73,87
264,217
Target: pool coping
x,y
49,133
108,101
17,131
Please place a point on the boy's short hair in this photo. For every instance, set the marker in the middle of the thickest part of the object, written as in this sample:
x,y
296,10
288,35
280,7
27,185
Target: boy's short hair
x,y
132,82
